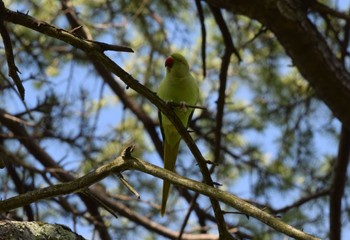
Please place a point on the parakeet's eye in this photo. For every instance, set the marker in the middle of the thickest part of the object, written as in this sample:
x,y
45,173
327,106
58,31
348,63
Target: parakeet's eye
x,y
169,62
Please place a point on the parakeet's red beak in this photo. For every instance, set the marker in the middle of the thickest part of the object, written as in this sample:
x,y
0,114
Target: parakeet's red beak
x,y
169,62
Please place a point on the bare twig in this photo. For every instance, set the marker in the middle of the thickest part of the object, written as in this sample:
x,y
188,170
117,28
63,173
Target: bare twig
x,y
226,35
187,217
302,201
262,30
324,9
338,184
204,35
13,70
225,62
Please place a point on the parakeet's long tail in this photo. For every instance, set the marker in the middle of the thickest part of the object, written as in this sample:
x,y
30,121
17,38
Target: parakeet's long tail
x,y
170,155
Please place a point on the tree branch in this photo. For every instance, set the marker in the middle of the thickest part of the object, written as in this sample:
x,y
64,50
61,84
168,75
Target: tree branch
x,y
324,9
204,35
127,162
310,54
12,68
338,184
225,63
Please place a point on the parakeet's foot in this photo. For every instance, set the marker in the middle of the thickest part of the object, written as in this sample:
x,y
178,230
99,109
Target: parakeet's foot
x,y
183,106
170,104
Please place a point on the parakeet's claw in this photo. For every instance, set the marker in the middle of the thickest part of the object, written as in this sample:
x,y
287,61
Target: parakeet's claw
x,y
211,162
183,106
170,104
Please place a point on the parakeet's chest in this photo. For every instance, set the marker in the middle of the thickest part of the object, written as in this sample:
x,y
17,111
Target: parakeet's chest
x,y
179,90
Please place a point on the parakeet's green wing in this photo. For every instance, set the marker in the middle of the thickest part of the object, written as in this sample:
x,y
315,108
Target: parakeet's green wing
x,y
161,125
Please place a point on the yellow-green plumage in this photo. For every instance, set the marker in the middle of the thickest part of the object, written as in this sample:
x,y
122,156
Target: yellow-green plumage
x,y
178,86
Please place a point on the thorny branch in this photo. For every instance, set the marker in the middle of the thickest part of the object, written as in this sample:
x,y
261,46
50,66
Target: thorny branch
x,y
127,162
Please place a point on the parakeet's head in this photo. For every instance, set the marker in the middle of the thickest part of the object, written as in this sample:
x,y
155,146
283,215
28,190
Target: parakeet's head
x,y
177,65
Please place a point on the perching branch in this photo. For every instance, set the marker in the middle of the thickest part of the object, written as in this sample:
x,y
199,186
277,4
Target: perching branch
x,y
184,105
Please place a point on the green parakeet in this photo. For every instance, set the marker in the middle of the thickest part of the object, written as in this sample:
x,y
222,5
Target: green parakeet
x,y
178,86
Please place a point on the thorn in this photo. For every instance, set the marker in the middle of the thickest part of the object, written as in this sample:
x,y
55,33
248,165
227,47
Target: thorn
x,y
126,153
240,213
217,184
211,162
128,186
75,29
